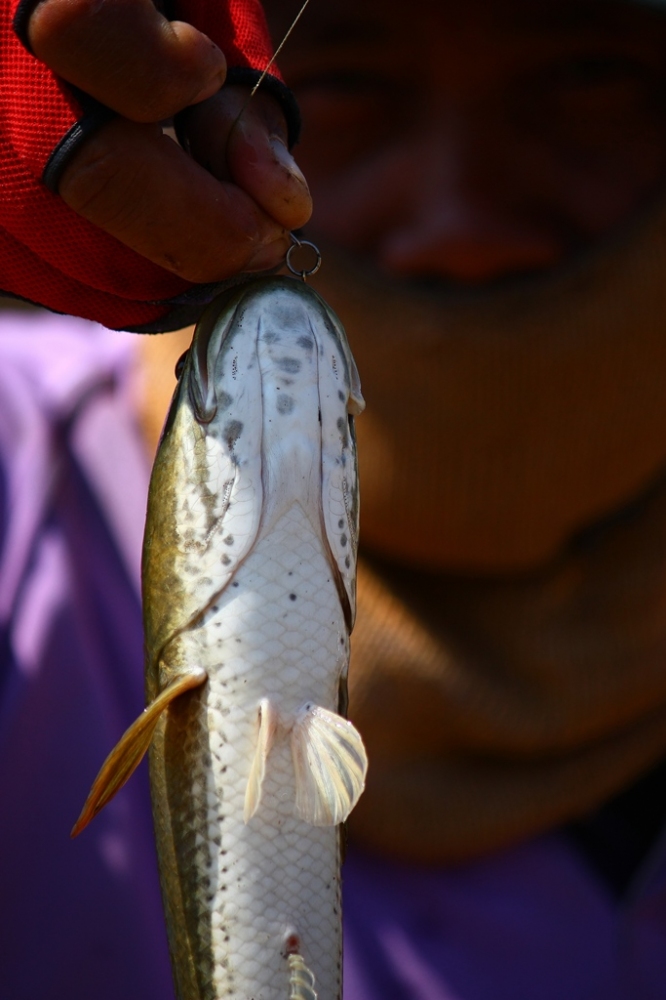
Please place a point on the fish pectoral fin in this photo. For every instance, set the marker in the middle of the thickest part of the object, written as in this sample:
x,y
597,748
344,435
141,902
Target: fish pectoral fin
x,y
129,751
267,719
330,764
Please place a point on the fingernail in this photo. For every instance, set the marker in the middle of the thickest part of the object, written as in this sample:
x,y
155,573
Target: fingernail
x,y
286,160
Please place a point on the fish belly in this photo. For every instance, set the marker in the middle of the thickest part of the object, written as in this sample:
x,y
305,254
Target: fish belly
x,y
251,893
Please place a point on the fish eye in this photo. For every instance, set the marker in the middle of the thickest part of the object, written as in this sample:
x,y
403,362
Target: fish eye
x,y
180,364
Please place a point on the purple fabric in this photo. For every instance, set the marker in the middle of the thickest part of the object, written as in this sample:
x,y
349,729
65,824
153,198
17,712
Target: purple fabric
x,y
78,919
531,923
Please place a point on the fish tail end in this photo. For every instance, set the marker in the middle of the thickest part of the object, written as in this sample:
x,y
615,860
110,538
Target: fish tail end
x,y
301,980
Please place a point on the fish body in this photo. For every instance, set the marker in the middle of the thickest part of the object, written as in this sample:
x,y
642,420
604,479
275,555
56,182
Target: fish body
x,y
249,594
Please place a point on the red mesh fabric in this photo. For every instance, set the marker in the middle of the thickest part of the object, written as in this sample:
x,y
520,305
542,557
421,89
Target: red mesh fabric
x,y
49,254
237,26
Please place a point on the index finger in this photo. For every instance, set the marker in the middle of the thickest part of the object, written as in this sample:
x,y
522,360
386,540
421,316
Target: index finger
x,y
127,55
140,187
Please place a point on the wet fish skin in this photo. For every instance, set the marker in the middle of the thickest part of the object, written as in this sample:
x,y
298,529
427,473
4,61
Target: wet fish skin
x,y
249,598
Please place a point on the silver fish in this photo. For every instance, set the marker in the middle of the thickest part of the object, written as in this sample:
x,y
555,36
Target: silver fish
x,y
249,599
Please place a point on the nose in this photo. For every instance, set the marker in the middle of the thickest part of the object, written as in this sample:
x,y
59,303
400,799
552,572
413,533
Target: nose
x,y
460,218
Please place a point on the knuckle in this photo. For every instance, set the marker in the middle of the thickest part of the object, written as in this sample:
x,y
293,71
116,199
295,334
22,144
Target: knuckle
x,y
102,184
51,17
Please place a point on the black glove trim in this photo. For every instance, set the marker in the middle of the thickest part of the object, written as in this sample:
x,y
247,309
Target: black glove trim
x,y
95,115
247,77
22,16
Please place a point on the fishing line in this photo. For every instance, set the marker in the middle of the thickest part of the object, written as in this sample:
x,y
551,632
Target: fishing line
x,y
302,273
277,51
271,61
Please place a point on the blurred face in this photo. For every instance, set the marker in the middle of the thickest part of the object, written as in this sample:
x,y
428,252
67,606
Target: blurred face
x,y
480,140
464,157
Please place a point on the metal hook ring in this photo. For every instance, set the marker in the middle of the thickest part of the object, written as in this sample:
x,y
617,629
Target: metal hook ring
x,y
296,245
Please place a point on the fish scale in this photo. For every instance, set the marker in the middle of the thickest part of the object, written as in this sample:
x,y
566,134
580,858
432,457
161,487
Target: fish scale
x,y
260,900
249,594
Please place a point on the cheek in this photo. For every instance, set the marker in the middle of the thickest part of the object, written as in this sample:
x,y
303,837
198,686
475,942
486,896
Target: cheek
x,y
338,130
593,159
347,155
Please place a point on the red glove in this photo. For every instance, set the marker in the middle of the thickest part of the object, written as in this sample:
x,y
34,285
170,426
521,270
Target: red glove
x,y
49,254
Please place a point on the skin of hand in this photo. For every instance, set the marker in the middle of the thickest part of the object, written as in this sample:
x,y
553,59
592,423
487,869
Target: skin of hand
x,y
226,208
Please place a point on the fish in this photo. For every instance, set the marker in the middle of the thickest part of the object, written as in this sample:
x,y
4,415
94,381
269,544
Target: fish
x,y
249,590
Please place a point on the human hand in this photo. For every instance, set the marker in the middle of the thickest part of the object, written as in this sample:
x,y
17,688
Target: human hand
x,y
229,206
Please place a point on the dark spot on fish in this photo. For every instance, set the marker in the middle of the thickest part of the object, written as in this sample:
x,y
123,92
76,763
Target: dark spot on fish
x,y
292,945
347,562
270,338
290,573
342,641
341,395
225,559
340,424
341,523
235,583
306,343
224,769
232,431
234,368
290,365
292,597
229,540
224,399
343,540
319,415
238,640
285,404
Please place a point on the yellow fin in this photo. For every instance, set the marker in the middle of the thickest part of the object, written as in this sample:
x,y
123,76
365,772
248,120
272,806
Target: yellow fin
x,y
129,751
267,726
330,764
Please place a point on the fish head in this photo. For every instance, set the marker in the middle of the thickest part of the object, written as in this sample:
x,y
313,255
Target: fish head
x,y
211,484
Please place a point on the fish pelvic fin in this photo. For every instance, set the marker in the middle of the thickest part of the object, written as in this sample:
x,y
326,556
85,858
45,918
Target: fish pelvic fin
x,y
267,719
330,765
301,980
130,750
